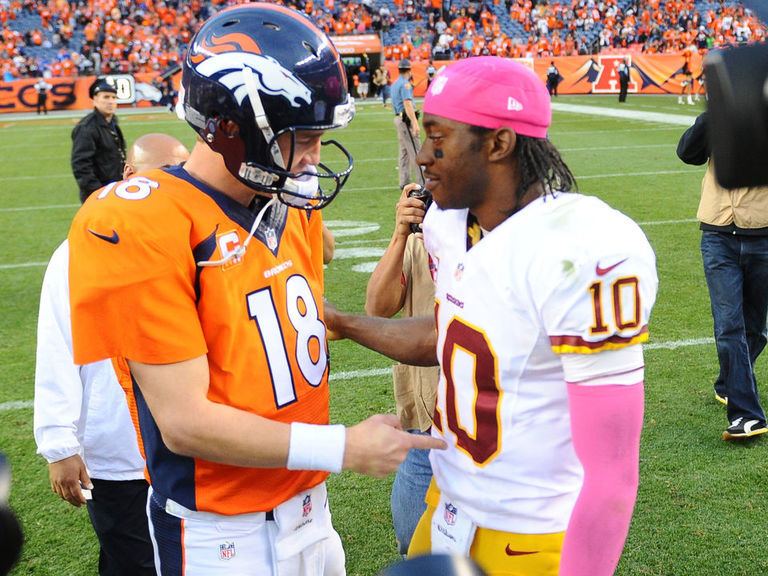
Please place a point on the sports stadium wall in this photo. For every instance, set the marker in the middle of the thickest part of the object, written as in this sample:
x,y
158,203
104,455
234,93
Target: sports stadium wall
x,y
595,74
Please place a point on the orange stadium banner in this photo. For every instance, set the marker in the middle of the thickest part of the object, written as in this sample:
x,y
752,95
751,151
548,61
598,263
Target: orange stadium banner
x,y
594,74
360,44
71,93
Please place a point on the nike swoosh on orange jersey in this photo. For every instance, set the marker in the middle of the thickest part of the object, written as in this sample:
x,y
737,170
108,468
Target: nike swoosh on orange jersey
x,y
113,239
511,552
603,271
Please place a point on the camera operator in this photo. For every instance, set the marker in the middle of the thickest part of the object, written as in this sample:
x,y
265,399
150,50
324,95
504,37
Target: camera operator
x,y
402,281
734,250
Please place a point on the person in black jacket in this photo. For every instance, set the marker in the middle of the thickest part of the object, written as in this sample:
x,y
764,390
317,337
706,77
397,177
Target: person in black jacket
x,y
734,251
623,80
553,78
98,146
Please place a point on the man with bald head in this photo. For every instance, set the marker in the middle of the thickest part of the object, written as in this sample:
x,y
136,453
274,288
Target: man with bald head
x,y
82,423
154,150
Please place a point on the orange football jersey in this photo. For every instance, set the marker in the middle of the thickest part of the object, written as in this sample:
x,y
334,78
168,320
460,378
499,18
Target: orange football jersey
x,y
138,291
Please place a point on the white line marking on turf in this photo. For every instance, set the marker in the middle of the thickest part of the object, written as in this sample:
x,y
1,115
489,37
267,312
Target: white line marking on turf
x,y
627,174
662,222
636,147
677,119
353,374
677,344
15,405
28,208
35,177
22,265
360,373
359,252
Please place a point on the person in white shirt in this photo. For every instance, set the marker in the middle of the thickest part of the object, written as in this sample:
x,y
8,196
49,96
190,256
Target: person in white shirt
x,y
82,423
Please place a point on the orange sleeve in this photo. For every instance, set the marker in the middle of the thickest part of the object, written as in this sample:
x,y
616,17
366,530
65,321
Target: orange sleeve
x,y
133,296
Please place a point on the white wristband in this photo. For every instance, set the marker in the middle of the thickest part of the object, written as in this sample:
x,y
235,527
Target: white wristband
x,y
315,447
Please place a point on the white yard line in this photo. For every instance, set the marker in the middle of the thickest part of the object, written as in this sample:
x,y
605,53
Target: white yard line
x,y
373,372
662,118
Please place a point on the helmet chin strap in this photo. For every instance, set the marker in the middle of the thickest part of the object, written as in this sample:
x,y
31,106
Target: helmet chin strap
x,y
239,252
301,190
261,116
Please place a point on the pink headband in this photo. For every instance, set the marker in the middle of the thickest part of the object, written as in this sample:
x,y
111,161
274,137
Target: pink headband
x,y
491,92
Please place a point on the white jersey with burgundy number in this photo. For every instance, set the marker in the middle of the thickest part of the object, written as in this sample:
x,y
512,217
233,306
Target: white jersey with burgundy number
x,y
564,286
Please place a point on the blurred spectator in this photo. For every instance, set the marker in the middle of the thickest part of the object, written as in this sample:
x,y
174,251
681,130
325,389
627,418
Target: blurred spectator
x,y
364,79
381,81
42,87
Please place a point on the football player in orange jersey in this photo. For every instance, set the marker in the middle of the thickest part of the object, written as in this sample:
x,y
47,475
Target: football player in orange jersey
x,y
207,279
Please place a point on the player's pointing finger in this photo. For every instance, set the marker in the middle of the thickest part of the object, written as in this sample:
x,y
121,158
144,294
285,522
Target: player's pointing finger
x,y
427,442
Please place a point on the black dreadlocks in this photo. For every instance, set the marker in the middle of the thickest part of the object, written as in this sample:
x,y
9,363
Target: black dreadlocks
x,y
538,162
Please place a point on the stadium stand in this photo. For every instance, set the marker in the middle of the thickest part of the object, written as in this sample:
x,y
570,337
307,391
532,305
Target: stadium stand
x,y
63,38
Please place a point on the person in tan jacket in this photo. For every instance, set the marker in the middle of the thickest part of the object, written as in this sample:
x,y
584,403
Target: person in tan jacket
x,y
402,281
734,250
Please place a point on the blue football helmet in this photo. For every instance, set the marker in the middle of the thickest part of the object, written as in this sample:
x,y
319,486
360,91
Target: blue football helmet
x,y
253,72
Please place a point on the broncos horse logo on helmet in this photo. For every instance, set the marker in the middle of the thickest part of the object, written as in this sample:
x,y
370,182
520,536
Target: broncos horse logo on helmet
x,y
256,71
273,78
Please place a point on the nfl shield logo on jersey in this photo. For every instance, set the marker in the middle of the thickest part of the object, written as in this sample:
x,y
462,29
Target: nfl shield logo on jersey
x,y
450,514
271,238
306,506
227,550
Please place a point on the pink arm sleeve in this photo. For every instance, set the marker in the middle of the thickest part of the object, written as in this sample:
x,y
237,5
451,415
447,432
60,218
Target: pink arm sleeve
x,y
605,423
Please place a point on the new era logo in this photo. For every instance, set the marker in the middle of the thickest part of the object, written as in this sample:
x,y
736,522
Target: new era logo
x,y
438,84
513,104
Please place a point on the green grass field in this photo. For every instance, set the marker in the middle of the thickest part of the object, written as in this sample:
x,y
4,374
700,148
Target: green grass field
x,y
701,503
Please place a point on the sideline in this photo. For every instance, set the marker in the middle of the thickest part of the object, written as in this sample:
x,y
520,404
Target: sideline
x,y
121,111
663,118
8,117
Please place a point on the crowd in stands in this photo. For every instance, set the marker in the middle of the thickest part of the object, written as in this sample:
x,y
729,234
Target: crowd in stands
x,y
64,38
554,28
654,27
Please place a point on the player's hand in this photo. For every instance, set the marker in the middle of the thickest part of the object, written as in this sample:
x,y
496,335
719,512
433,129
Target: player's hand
x,y
376,446
331,315
410,210
67,476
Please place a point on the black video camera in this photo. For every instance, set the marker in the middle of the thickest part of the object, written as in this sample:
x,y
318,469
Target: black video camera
x,y
426,197
737,101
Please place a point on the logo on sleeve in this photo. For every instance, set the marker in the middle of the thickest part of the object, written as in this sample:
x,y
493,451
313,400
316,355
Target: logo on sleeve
x,y
603,271
113,239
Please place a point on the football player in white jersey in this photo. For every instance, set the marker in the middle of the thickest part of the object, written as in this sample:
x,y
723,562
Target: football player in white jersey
x,y
542,303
